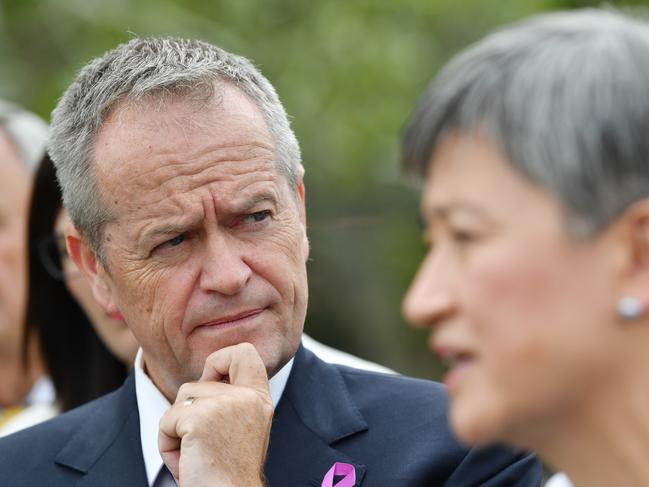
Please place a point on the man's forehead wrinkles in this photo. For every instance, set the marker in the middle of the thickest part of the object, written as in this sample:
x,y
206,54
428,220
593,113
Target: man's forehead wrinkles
x,y
161,157
197,171
147,210
155,195
145,215
246,198
175,217
178,176
231,150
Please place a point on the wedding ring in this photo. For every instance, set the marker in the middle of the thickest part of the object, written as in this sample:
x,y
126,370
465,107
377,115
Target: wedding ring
x,y
188,401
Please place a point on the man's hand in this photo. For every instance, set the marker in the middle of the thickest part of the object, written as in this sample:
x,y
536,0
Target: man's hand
x,y
216,433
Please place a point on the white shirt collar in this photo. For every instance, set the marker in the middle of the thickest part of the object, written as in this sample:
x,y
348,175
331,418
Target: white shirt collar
x,y
152,405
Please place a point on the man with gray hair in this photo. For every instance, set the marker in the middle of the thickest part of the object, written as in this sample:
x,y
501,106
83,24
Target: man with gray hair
x,y
23,391
184,182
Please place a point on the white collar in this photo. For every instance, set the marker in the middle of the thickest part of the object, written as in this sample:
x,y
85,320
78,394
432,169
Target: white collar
x,y
152,405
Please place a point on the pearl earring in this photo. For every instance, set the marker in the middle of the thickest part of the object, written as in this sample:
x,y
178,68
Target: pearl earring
x,y
630,308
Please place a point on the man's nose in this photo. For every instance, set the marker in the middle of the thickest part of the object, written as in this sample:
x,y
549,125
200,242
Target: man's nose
x,y
429,299
224,268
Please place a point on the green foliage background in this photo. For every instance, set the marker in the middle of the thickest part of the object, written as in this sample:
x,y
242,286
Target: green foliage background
x,y
348,72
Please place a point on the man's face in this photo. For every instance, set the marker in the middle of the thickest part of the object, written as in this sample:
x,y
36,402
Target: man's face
x,y
14,197
208,247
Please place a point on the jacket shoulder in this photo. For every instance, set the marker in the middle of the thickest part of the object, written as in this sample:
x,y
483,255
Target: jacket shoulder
x,y
31,455
49,434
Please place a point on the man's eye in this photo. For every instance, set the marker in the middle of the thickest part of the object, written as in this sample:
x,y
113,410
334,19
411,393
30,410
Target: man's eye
x,y
259,216
166,246
174,242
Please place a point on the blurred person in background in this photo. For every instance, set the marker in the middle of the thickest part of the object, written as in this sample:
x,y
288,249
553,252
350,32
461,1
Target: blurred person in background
x,y
87,352
184,181
25,394
534,149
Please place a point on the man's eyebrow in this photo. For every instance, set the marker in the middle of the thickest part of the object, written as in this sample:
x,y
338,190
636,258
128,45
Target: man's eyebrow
x,y
182,225
254,200
168,228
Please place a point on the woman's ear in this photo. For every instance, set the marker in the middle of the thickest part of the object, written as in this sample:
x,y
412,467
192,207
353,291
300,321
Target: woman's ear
x,y
92,270
632,229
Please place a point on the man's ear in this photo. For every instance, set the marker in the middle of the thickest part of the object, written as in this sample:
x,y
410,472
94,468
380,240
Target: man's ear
x,y
301,192
91,269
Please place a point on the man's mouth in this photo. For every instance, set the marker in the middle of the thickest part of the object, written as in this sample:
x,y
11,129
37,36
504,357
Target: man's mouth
x,y
232,320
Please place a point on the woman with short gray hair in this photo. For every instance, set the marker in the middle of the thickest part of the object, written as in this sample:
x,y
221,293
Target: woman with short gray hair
x,y
534,149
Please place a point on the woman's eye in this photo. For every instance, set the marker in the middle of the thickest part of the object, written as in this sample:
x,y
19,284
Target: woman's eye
x,y
463,237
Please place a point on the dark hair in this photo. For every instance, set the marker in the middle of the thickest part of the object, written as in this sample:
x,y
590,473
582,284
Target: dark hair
x,y
79,364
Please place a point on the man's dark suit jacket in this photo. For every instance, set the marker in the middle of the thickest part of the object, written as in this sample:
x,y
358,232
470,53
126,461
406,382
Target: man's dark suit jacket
x,y
392,429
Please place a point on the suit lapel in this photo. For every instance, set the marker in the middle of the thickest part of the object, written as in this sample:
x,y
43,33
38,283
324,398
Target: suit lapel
x,y
106,448
316,410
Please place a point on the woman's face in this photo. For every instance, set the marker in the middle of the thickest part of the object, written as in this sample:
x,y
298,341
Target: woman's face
x,y
14,200
110,327
523,313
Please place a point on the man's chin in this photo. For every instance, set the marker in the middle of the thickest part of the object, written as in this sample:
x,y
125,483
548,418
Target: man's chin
x,y
276,357
275,352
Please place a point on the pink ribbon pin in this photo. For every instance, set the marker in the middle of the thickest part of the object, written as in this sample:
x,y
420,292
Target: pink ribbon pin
x,y
340,469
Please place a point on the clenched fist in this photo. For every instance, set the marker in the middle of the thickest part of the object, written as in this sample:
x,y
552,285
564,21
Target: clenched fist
x,y
216,433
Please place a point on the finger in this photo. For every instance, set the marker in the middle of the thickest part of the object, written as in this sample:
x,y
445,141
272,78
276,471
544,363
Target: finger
x,y
170,452
240,363
169,442
173,426
192,393
187,392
